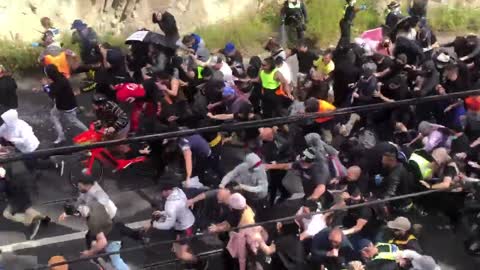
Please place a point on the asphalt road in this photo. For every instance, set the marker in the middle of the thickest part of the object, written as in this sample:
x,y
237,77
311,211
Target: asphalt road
x,y
133,193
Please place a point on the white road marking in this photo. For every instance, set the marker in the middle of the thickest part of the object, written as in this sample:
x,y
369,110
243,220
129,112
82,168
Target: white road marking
x,y
57,239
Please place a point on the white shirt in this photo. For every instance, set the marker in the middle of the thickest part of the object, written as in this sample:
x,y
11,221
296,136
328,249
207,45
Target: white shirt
x,y
97,193
286,72
227,74
313,224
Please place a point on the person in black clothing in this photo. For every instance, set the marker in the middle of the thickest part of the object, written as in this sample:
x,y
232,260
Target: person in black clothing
x,y
425,85
344,75
457,79
360,223
276,148
19,207
87,38
8,90
65,106
394,15
383,63
305,57
346,22
460,145
410,48
467,48
397,180
366,86
290,253
167,23
418,8
294,14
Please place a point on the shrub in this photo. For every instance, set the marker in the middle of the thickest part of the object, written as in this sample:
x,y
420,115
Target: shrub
x,y
250,31
18,56
447,18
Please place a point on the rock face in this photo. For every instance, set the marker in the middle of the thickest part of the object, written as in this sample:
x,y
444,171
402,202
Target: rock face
x,y
21,18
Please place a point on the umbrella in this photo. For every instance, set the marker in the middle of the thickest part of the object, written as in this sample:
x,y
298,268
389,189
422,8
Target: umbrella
x,y
406,22
145,36
375,34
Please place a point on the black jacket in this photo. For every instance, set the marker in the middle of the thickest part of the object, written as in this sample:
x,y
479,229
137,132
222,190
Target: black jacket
x,y
8,91
61,91
17,194
397,182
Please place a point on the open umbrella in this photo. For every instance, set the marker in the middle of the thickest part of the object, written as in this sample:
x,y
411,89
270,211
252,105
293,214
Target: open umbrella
x,y
145,36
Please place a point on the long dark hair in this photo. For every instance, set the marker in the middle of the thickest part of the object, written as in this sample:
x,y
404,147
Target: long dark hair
x,y
53,74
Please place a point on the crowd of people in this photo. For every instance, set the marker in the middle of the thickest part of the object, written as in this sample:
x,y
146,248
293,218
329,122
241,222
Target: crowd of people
x,y
341,161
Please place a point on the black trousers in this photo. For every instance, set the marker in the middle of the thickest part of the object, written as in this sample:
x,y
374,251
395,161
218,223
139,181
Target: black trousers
x,y
275,185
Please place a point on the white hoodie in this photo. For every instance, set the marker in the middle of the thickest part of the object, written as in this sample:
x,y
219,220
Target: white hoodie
x,y
18,132
177,214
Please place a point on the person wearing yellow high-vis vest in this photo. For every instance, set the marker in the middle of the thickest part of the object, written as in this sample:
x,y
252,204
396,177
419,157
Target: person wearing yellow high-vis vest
x,y
275,89
382,255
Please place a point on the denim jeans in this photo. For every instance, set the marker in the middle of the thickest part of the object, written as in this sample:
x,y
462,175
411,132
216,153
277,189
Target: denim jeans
x,y
69,116
116,260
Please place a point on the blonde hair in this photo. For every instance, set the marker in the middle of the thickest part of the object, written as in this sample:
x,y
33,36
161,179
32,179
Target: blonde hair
x,y
45,21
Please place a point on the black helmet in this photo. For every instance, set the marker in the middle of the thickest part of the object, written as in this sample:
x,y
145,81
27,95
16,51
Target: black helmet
x,y
99,99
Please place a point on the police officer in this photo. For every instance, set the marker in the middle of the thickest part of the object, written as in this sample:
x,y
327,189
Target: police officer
x,y
294,14
346,22
394,14
379,256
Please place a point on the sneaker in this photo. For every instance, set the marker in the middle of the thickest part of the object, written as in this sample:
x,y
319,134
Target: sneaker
x,y
34,228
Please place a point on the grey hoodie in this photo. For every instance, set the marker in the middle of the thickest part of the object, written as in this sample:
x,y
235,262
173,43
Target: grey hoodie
x,y
251,176
177,214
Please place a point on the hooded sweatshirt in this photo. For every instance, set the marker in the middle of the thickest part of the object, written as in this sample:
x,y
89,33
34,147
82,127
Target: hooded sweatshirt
x,y
251,175
18,132
177,214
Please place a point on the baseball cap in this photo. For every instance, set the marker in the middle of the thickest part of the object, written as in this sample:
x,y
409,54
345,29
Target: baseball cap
x,y
364,243
78,24
237,201
229,48
400,223
203,54
393,4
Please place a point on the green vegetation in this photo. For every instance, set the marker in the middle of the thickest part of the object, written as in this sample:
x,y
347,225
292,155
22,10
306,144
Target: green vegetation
x,y
448,19
16,55
21,56
250,31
